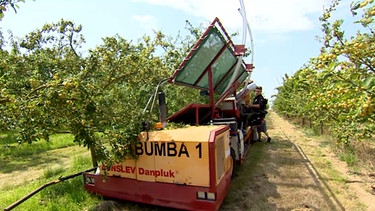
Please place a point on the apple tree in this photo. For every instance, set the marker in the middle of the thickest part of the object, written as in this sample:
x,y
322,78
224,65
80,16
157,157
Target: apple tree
x,y
340,81
49,86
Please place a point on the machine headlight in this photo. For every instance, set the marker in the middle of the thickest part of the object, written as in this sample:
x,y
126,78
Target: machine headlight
x,y
211,196
201,195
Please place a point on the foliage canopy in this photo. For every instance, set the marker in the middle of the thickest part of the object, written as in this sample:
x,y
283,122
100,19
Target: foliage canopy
x,y
48,86
337,88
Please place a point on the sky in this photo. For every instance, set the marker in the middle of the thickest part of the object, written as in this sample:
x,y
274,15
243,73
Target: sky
x,y
284,32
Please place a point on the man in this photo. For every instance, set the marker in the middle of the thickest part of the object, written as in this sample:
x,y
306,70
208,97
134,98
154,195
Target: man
x,y
259,102
258,107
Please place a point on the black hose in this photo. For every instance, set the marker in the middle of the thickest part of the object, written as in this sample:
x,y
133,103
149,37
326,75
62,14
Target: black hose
x,y
15,204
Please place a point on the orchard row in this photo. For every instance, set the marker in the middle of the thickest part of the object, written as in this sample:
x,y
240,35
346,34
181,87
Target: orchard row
x,y
337,88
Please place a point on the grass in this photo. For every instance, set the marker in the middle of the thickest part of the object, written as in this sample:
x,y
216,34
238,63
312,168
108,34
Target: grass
x,y
53,172
66,195
326,142
22,156
349,157
245,176
26,167
8,138
358,153
10,147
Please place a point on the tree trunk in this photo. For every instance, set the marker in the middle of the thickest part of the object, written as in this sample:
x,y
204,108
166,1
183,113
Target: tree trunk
x,y
93,156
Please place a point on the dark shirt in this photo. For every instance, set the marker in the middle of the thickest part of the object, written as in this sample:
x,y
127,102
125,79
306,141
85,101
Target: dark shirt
x,y
262,104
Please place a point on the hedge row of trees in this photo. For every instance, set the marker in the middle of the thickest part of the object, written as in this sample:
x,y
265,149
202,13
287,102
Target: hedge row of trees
x,y
337,88
48,85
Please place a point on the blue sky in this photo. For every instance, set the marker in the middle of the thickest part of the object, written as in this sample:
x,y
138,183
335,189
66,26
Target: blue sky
x,y
284,31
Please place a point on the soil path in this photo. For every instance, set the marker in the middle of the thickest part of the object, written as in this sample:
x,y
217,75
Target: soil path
x,y
297,172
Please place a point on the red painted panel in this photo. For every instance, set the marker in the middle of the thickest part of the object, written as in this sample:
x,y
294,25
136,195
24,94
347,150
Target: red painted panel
x,y
160,194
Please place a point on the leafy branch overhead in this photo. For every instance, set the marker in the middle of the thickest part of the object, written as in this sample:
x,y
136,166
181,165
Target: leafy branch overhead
x,y
6,4
48,86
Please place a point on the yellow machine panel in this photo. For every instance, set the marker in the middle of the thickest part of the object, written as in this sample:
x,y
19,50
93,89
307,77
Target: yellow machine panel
x,y
179,156
222,156
126,169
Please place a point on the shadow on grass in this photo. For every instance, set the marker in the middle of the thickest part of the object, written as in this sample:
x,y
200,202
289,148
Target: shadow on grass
x,y
20,157
246,188
29,156
9,165
273,168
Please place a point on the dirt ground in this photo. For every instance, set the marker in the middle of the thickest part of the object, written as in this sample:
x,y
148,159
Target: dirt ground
x,y
297,172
